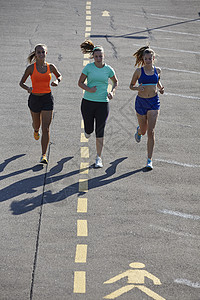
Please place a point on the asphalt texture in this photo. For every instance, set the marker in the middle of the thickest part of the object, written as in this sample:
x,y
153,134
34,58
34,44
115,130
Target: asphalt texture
x,y
132,215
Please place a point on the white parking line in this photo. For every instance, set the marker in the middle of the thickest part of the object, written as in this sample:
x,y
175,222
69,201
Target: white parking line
x,y
169,17
178,32
139,14
177,50
183,96
171,49
183,71
173,162
195,285
179,233
179,214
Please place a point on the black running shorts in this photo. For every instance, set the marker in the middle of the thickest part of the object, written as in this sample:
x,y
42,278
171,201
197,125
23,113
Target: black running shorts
x,y
39,103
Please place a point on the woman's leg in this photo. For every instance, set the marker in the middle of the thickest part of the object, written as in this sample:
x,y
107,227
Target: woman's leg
x,y
142,121
87,110
99,146
36,117
152,116
46,121
101,116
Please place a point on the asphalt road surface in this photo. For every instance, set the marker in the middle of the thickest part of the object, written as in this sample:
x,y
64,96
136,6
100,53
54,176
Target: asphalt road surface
x,y
69,231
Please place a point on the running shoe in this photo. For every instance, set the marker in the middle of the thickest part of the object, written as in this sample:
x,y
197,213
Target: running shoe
x,y
149,164
98,162
138,136
87,135
43,160
36,135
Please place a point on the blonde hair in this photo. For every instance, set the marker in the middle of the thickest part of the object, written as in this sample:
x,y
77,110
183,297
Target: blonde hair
x,y
139,54
31,57
87,47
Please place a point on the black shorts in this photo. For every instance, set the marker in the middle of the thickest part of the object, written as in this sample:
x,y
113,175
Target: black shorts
x,y
39,103
97,112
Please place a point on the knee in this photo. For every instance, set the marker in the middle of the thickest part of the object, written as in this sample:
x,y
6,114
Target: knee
x,y
143,131
45,128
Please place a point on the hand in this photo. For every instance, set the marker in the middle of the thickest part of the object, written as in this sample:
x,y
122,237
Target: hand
x,y
140,88
93,89
162,90
110,95
54,83
29,90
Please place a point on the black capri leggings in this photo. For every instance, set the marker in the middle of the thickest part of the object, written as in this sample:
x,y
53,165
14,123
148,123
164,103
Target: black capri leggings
x,y
94,111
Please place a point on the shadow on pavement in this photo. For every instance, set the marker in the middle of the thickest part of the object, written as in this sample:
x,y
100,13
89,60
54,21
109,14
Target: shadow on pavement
x,y
7,161
29,204
29,185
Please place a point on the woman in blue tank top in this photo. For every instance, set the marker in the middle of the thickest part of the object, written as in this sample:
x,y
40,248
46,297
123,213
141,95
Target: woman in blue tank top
x,y
147,102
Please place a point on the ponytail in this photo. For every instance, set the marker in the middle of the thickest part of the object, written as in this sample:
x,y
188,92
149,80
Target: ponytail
x,y
87,47
139,54
31,57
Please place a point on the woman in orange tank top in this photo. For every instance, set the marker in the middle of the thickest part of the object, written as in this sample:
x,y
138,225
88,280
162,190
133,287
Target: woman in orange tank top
x,y
40,100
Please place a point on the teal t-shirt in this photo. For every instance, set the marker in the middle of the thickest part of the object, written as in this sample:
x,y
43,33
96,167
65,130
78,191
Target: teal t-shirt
x,y
98,77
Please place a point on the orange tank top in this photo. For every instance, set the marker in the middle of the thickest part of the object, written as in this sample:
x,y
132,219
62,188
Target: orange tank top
x,y
41,81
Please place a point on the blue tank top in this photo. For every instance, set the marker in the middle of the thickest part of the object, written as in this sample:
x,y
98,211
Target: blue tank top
x,y
148,79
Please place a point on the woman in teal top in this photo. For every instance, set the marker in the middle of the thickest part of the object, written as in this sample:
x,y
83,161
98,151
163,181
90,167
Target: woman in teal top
x,y
95,102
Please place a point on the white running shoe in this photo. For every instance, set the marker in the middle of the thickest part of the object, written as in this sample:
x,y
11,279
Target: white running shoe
x,y
87,135
149,164
98,162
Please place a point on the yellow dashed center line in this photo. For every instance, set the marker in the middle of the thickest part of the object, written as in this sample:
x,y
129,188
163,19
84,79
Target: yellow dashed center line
x,y
85,62
82,228
82,124
82,205
86,55
79,282
83,185
81,253
84,168
83,138
88,29
82,225
84,152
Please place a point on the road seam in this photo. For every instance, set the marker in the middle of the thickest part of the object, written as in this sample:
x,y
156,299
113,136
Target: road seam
x,y
38,231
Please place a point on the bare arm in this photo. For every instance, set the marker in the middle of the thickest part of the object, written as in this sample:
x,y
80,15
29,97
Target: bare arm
x,y
28,72
58,75
136,76
114,85
159,84
82,85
